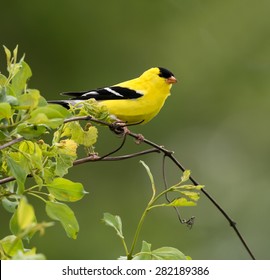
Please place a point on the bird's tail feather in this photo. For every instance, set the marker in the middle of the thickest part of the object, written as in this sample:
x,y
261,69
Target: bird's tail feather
x,y
63,103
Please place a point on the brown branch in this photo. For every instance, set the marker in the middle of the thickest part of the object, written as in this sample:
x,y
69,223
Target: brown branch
x,y
94,158
7,180
10,143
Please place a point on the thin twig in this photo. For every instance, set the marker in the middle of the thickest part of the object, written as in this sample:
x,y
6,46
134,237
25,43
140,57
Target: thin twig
x,y
116,150
12,142
188,222
124,157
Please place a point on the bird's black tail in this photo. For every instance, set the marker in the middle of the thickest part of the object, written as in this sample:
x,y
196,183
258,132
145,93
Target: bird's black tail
x,y
60,102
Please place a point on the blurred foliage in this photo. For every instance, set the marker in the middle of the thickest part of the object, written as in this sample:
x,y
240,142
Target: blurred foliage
x,y
215,120
25,116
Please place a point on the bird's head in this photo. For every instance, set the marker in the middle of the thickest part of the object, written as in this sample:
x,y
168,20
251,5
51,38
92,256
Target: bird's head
x,y
159,75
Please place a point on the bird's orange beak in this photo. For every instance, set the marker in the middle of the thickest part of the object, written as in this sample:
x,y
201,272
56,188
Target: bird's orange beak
x,y
171,80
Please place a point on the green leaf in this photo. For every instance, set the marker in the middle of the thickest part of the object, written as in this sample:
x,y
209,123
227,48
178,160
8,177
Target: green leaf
x,y
32,153
145,253
150,176
4,136
168,253
3,80
65,156
29,100
5,111
5,96
13,101
66,190
163,253
8,55
30,131
63,163
115,222
27,256
62,213
86,137
18,171
51,115
20,79
11,245
13,223
9,205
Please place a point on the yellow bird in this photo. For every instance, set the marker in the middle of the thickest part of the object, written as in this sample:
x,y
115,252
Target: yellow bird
x,y
135,101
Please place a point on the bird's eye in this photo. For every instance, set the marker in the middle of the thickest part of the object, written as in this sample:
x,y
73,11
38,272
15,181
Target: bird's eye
x,y
165,73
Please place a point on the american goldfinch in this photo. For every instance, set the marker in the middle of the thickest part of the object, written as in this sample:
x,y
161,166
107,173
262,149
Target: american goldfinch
x,y
134,101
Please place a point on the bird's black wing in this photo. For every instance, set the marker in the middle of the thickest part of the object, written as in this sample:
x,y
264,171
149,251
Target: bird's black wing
x,y
107,93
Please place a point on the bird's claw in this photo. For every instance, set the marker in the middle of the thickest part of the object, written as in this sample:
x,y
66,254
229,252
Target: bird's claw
x,y
119,128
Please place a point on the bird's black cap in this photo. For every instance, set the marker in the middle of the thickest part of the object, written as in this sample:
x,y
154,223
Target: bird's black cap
x,y
165,73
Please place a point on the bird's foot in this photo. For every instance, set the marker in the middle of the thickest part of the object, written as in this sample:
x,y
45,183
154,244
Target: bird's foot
x,y
119,127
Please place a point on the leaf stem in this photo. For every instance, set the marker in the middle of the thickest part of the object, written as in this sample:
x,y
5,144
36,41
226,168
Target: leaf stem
x,y
138,230
38,196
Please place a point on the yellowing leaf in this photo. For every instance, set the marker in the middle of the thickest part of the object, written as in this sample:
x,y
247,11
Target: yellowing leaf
x,y
86,137
26,214
182,201
11,245
191,195
29,100
185,175
65,156
191,187
68,147
33,153
5,111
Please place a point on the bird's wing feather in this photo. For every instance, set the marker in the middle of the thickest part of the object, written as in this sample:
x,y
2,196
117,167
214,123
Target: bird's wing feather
x,y
107,93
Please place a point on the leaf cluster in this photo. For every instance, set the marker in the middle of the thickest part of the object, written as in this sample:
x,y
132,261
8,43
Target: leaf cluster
x,y
25,117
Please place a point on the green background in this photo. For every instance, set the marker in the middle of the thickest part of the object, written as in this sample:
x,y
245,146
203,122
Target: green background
x,y
216,120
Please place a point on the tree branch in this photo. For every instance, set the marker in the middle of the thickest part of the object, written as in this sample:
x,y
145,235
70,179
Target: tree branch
x,y
12,142
94,158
